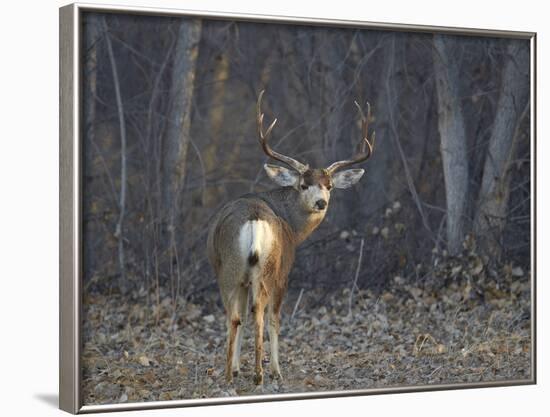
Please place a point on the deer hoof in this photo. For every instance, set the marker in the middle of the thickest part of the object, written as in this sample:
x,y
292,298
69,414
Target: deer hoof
x,y
259,389
277,375
258,379
228,377
235,373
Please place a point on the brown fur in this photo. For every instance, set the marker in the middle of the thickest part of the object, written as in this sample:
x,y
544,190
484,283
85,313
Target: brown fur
x,y
317,176
290,225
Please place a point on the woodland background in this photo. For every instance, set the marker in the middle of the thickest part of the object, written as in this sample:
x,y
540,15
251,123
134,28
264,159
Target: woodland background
x,y
169,135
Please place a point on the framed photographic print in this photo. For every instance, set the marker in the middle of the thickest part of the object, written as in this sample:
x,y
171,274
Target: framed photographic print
x,y
260,208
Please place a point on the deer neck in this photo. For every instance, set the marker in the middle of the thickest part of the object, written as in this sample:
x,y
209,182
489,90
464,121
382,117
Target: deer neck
x,y
286,202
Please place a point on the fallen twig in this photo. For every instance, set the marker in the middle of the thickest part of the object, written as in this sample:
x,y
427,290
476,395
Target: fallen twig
x,y
356,275
296,305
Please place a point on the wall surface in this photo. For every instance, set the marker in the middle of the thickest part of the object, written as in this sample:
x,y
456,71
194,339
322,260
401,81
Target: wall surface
x,y
29,209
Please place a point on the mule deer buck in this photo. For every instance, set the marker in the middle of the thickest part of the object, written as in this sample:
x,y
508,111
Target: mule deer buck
x,y
252,241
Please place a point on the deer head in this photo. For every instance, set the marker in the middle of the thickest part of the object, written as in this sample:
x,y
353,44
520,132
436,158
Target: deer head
x,y
315,184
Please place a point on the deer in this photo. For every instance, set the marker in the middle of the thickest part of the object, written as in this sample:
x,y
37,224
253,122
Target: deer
x,y
252,241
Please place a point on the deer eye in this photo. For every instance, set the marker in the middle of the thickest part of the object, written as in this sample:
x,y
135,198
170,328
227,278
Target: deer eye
x,y
304,187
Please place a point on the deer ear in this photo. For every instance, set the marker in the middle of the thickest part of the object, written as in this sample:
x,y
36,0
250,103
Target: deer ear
x,y
282,176
345,179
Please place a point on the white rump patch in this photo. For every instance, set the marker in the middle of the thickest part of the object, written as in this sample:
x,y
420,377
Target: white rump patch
x,y
255,237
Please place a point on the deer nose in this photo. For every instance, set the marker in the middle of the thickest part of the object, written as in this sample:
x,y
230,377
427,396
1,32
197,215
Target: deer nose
x,y
321,204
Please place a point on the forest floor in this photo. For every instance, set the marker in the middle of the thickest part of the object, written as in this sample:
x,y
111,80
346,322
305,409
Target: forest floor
x,y
407,335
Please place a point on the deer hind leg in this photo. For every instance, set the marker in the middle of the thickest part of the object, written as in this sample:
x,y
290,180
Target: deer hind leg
x,y
242,307
233,323
234,316
274,312
258,309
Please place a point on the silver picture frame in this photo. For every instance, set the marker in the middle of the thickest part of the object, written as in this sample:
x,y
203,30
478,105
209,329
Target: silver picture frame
x,y
70,203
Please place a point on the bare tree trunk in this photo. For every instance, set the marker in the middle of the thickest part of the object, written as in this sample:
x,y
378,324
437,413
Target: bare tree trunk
x,y
90,68
215,121
91,37
119,232
258,78
176,142
513,105
177,138
395,93
335,100
453,138
376,183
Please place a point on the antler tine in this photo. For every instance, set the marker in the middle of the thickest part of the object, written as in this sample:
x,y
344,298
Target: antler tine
x,y
260,119
362,152
263,136
365,130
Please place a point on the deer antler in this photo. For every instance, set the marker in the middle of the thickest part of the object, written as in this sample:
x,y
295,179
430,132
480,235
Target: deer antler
x,y
263,136
365,147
